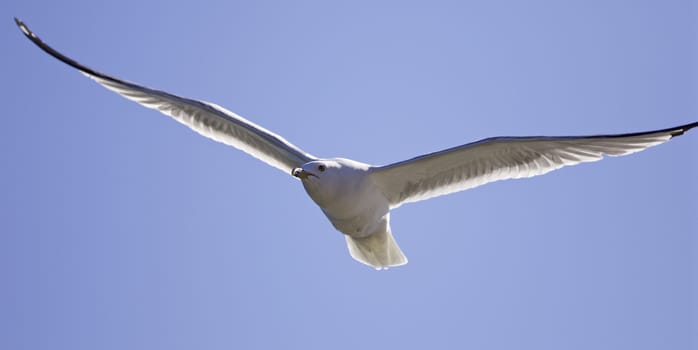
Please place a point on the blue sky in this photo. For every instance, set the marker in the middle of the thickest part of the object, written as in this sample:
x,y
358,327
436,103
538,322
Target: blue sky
x,y
121,229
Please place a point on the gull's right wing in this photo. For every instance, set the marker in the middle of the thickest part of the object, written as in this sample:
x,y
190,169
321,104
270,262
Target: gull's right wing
x,y
500,158
206,118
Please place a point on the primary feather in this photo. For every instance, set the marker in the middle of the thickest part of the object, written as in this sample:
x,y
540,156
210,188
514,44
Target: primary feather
x,y
500,158
205,118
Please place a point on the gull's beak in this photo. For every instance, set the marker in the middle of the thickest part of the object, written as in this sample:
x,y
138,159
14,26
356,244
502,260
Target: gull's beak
x,y
301,174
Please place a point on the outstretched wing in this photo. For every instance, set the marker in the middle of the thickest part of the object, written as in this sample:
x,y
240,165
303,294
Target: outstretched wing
x,y
500,158
206,118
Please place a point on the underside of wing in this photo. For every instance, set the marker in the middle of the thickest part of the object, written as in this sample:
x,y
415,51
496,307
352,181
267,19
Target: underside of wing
x,y
205,118
471,165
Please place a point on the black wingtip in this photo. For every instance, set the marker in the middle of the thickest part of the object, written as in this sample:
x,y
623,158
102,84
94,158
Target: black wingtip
x,y
23,27
65,59
682,129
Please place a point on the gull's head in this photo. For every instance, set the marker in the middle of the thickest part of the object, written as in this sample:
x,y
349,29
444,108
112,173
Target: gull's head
x,y
327,179
305,174
316,171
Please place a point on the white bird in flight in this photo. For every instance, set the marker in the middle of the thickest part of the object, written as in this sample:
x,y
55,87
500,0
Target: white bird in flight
x,y
357,197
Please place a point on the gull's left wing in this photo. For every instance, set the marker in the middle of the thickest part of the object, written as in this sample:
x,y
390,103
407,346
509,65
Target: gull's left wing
x,y
206,118
500,158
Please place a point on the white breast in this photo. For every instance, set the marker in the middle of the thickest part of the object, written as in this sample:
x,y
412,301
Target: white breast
x,y
351,201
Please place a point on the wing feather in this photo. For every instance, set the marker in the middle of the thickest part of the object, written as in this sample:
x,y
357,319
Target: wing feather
x,y
500,158
205,118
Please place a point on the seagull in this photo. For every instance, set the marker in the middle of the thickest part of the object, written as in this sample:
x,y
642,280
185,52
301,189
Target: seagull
x,y
357,197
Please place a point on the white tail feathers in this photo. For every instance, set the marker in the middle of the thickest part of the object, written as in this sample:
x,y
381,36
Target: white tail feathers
x,y
378,250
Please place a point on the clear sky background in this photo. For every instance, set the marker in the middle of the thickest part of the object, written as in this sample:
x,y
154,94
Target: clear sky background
x,y
122,229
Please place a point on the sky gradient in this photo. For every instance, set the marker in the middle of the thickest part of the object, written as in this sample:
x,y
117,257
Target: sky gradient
x,y
122,229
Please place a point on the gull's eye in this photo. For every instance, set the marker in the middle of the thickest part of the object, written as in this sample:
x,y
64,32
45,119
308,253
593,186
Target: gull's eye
x,y
321,167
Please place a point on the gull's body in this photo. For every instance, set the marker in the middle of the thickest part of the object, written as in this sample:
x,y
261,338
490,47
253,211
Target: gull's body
x,y
357,197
